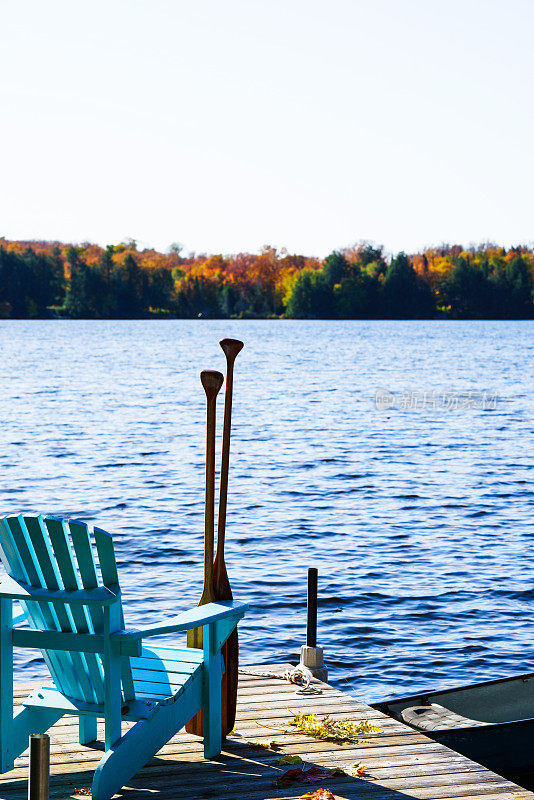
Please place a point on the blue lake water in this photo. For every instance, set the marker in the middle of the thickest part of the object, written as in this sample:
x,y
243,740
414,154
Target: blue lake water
x,y
417,516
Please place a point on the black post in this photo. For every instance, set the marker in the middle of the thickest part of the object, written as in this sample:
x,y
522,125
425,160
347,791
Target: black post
x,y
39,767
311,629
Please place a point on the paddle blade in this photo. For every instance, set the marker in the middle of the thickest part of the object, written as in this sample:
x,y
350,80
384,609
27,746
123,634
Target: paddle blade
x,y
196,725
231,657
194,638
221,584
231,348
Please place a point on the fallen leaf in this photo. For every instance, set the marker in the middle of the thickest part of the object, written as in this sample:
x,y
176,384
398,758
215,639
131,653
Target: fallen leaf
x,y
313,774
293,774
272,745
316,774
320,794
86,791
343,730
288,759
289,777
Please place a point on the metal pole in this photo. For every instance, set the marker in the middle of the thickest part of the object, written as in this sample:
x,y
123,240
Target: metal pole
x,y
311,628
38,788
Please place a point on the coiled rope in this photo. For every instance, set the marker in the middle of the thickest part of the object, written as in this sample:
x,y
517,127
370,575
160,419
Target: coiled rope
x,y
300,675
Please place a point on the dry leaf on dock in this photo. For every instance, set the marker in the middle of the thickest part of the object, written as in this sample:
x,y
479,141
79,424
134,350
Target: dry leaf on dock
x,y
288,759
272,745
320,794
313,774
334,730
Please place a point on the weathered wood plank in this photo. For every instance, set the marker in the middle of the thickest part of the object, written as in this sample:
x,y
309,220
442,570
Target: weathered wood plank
x,y
310,751
401,764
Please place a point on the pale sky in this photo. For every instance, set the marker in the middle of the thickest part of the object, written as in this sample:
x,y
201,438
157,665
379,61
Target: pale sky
x,y
229,124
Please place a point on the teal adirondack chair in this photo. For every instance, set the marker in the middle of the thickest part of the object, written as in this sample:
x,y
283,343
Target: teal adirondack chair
x,y
74,611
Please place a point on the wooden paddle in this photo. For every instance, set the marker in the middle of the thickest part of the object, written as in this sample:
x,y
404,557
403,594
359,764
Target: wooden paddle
x,y
221,584
212,382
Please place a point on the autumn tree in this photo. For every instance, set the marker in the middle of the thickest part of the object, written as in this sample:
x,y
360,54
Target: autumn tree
x,y
41,278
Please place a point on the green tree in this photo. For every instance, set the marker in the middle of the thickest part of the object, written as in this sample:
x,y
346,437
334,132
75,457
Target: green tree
x,y
517,297
76,303
130,288
229,300
405,295
311,296
335,268
468,291
356,297
160,286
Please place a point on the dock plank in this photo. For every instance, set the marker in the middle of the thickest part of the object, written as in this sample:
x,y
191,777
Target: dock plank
x,y
401,764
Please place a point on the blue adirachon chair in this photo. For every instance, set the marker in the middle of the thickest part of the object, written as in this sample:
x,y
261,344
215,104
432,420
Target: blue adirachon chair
x,y
69,592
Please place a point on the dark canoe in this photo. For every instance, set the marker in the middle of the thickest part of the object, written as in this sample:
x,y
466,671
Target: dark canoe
x,y
491,723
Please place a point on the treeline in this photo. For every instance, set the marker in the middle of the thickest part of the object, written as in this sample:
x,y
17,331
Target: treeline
x,y
50,279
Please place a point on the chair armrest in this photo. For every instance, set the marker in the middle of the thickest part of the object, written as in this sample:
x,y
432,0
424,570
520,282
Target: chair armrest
x,y
194,618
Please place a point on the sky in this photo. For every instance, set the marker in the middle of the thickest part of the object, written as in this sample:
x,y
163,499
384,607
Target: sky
x,y
226,125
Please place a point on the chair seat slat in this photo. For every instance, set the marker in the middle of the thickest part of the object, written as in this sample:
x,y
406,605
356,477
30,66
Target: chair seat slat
x,y
160,676
165,667
147,682
169,653
150,692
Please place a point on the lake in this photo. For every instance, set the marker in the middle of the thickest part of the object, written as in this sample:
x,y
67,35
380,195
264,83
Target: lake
x,y
394,456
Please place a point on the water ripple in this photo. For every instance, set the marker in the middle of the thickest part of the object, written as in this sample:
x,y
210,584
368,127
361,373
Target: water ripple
x,y
418,521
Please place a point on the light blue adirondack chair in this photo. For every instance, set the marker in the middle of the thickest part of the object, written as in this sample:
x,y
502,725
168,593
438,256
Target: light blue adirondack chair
x,y
74,611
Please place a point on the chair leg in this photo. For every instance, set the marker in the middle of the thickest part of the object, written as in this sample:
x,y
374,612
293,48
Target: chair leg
x,y
139,744
6,685
111,662
212,694
28,721
87,729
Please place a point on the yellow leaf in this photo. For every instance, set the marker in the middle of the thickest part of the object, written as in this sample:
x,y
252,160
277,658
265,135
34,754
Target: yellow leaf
x,y
343,730
289,760
271,745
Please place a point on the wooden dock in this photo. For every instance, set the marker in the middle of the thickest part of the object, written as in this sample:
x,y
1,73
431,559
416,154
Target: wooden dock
x,y
400,763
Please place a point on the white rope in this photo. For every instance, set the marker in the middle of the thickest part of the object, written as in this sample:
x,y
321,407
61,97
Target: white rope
x,y
300,675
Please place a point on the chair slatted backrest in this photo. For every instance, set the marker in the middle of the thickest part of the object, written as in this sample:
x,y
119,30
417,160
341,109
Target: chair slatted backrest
x,y
57,554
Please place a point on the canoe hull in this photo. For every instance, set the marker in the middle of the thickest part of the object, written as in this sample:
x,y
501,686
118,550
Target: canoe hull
x,y
506,748
499,732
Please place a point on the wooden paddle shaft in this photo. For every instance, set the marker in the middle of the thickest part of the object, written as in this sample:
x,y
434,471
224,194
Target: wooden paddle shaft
x,y
231,348
212,382
221,583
